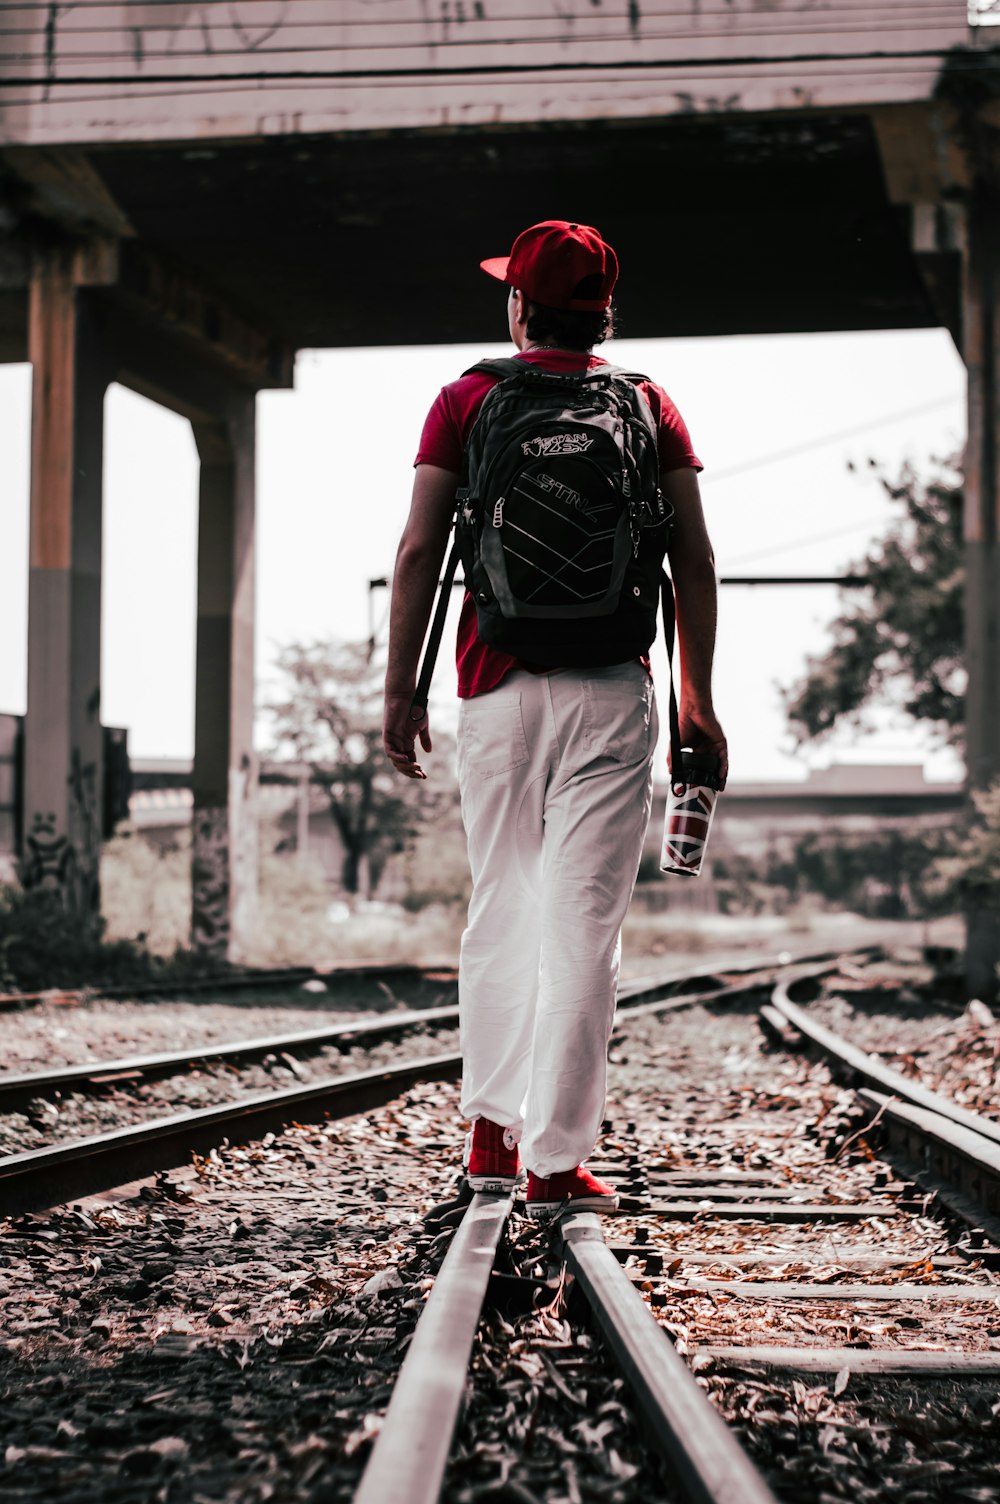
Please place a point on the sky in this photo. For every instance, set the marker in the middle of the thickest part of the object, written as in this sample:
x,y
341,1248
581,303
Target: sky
x,y
775,420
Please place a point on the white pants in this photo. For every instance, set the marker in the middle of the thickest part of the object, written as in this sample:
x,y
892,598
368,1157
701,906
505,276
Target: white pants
x,y
555,772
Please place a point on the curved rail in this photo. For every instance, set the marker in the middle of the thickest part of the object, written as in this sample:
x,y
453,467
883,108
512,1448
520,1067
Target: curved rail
x,y
957,1148
870,1069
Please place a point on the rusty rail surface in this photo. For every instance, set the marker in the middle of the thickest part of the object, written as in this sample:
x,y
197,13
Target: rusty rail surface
x,y
41,1178
710,1464
408,1460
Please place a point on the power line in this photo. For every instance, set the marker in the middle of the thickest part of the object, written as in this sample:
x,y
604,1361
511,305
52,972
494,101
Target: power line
x,y
526,70
794,543
44,8
834,438
585,39
124,94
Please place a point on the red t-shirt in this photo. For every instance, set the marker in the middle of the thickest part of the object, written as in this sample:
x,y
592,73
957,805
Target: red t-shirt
x,y
448,424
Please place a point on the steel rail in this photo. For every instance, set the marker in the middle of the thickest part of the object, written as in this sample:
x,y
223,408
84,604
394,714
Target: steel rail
x,y
870,1069
409,1458
24,1086
227,982
40,1178
16,1090
711,1466
957,1157
45,1177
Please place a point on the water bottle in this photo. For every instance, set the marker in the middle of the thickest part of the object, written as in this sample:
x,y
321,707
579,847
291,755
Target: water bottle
x,y
694,789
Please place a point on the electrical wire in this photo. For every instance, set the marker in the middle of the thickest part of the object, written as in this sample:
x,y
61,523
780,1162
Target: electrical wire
x,y
942,22
834,438
44,8
796,543
162,92
506,70
126,54
931,15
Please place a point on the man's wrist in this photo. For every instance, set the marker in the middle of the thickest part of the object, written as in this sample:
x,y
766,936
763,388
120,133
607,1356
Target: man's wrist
x,y
400,694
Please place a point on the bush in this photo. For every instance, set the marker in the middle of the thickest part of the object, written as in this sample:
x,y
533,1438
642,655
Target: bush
x,y
971,869
43,944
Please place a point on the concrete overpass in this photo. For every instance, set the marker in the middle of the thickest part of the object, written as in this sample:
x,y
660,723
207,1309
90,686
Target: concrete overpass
x,y
191,192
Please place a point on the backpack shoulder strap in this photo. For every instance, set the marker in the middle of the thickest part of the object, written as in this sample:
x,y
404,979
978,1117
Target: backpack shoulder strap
x,y
634,377
503,367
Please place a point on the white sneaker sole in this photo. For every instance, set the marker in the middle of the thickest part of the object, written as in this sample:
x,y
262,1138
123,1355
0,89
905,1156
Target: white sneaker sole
x,y
499,1185
571,1203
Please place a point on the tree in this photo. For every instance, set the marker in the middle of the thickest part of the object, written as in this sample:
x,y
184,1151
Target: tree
x,y
900,636
329,716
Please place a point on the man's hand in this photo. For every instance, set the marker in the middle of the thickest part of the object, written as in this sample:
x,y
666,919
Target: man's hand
x,y
700,730
399,735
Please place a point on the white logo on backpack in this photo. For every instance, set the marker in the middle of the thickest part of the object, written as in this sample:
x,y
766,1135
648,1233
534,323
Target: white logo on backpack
x,y
557,443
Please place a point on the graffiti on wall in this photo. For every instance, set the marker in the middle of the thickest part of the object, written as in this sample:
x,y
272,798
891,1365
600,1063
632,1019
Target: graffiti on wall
x,y
49,859
210,881
163,30
68,862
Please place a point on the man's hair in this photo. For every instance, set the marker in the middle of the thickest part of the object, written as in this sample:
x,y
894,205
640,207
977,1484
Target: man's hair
x,y
569,328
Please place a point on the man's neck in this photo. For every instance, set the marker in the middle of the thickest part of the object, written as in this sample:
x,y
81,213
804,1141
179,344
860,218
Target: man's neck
x,y
554,349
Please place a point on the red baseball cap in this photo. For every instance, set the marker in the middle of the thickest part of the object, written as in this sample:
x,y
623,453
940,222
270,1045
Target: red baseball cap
x,y
551,260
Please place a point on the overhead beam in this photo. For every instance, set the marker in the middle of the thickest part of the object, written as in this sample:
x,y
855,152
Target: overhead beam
x,y
62,185
172,303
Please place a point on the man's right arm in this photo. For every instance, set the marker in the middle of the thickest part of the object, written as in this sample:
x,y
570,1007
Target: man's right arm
x,y
414,582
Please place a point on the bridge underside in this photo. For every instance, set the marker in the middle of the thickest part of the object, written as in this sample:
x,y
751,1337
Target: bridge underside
x,y
736,225
192,272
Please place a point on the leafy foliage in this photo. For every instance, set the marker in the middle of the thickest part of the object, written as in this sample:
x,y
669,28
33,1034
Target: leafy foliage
x,y
889,874
899,638
45,944
972,868
329,715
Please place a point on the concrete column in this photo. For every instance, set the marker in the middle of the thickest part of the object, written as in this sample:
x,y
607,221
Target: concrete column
x,y
224,830
63,753
981,340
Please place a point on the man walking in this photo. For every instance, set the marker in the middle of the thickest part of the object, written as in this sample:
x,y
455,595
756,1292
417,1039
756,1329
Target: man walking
x,y
554,761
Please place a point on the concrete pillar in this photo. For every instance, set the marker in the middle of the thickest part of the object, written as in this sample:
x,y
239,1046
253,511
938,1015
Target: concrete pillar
x,y
224,830
981,340
63,752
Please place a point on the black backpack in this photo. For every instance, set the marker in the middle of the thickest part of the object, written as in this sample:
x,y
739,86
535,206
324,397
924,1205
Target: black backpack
x,y
560,524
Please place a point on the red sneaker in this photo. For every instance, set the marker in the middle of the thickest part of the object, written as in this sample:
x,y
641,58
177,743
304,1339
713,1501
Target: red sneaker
x,y
493,1163
577,1189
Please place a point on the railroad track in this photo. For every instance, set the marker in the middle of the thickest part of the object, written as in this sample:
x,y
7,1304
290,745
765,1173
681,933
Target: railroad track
x,y
44,1177
20,1087
703,1227
958,1177
257,979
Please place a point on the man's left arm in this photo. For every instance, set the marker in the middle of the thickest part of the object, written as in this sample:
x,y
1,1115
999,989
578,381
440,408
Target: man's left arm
x,y
414,582
692,568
